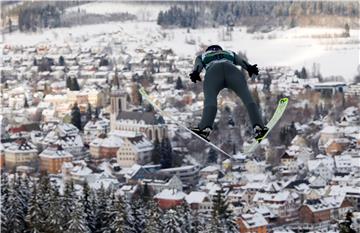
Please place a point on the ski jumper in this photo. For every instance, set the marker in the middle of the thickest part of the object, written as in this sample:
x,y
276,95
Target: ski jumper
x,y
221,72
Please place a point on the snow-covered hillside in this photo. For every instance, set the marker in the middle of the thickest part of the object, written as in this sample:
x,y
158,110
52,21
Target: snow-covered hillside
x,y
296,47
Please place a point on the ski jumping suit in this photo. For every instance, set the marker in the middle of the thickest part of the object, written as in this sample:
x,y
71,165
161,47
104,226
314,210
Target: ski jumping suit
x,y
221,72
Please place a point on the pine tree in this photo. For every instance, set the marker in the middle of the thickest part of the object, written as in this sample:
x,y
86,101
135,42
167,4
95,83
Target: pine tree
x,y
74,84
136,218
212,158
171,222
5,193
67,203
196,224
54,216
33,218
102,214
118,211
166,153
26,104
153,218
68,82
156,153
88,113
76,116
303,73
77,221
179,85
16,214
61,61
222,217
184,215
88,202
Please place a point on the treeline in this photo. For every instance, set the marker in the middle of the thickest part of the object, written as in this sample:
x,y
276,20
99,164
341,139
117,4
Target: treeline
x,y
177,16
37,205
32,18
37,15
229,13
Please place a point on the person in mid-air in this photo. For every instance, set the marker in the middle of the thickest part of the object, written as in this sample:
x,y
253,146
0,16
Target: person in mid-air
x,y
221,72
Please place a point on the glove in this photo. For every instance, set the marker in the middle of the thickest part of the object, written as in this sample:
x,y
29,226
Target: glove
x,y
252,69
195,76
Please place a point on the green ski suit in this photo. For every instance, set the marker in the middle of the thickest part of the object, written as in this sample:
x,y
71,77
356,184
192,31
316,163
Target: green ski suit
x,y
221,72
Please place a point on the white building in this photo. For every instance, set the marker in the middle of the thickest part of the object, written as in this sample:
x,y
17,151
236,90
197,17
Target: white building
x,y
136,149
94,128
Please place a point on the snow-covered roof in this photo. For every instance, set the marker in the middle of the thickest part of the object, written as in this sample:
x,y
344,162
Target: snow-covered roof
x,y
109,142
55,153
99,124
195,197
21,147
140,143
170,194
332,202
275,197
253,220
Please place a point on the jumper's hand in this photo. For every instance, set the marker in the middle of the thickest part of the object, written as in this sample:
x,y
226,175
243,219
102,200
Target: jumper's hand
x,y
253,70
195,76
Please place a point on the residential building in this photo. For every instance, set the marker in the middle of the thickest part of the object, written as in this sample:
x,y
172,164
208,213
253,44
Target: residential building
x,y
252,223
52,159
94,128
20,153
136,149
169,198
105,147
201,202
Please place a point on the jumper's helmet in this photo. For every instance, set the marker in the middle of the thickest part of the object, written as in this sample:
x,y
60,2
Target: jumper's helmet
x,y
214,48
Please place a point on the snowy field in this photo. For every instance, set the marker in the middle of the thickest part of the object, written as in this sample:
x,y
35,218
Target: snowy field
x,y
295,47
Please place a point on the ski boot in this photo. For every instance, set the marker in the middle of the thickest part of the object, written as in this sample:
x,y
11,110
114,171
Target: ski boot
x,y
202,133
259,132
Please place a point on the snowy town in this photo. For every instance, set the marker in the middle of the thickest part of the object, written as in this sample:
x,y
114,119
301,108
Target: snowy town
x,y
82,151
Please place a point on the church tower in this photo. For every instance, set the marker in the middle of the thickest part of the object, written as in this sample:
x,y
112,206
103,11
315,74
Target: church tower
x,y
117,105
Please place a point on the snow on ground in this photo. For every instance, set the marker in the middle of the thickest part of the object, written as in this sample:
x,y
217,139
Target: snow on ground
x,y
295,47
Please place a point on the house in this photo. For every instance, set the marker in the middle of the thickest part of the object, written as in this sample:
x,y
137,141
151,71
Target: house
x,y
105,147
200,201
288,164
284,204
169,198
52,159
20,153
316,214
336,146
77,171
317,181
323,166
329,132
136,149
67,136
94,128
352,193
345,163
254,166
252,223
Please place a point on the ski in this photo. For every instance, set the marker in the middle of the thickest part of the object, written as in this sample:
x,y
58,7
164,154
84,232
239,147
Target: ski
x,y
280,109
152,101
